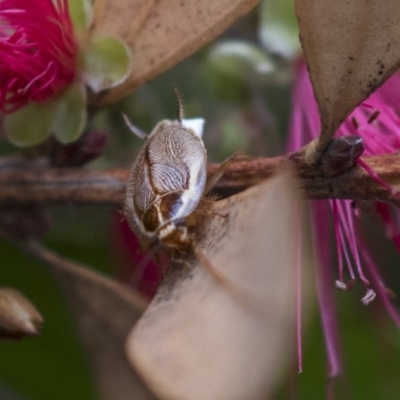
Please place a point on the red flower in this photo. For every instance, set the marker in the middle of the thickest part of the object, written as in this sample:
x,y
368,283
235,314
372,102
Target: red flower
x,y
38,51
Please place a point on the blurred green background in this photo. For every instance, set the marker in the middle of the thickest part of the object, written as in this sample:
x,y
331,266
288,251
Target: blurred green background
x,y
241,85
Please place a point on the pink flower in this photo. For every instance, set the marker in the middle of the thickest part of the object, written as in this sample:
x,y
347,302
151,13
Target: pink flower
x,y
139,269
38,51
377,122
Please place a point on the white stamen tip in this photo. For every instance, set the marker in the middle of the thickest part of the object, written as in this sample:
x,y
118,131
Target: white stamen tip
x,y
196,124
369,297
341,285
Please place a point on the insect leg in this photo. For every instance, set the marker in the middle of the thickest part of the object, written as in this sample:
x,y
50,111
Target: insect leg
x,y
217,175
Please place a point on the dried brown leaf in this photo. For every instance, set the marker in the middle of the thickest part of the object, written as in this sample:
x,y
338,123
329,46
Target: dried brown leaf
x,y
173,30
351,48
18,316
121,18
105,312
198,340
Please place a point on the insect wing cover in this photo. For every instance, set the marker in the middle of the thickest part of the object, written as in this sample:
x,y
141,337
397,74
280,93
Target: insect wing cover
x,y
168,176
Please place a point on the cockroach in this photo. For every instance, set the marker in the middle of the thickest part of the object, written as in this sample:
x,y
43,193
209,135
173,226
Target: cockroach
x,y
166,184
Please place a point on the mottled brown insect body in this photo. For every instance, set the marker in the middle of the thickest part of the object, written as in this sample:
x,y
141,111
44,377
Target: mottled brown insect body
x,y
166,183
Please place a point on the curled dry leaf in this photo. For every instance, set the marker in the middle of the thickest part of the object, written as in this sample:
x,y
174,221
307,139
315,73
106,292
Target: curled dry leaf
x,y
198,340
105,312
122,18
162,33
351,48
18,316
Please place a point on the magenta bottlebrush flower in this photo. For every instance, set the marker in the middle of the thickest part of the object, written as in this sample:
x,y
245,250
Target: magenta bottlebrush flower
x,y
48,58
377,122
139,270
38,51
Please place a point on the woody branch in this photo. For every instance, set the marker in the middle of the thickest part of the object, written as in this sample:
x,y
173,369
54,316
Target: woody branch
x,y
25,183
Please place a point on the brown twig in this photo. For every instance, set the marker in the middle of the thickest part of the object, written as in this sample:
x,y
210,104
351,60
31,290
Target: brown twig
x,y
27,184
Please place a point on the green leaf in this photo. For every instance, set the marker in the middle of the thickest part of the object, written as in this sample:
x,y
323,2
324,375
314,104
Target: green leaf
x,y
241,60
107,63
70,117
81,13
30,125
278,30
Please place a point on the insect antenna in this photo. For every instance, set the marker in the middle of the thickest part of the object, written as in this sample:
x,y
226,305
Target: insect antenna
x,y
139,133
179,111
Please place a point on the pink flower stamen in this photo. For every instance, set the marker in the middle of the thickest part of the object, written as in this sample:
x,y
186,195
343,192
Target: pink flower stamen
x,y
340,284
369,297
376,177
377,122
347,257
373,116
351,237
378,285
37,78
299,256
38,51
392,231
325,290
